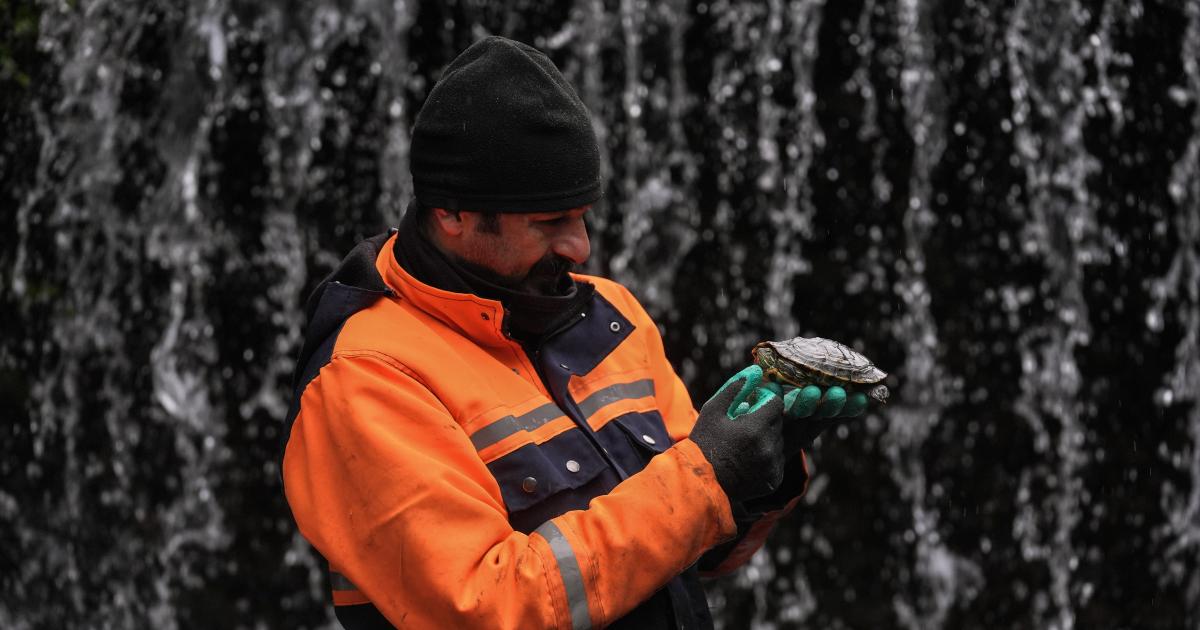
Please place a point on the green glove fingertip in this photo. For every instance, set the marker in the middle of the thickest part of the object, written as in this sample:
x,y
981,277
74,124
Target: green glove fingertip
x,y
831,405
801,402
855,405
741,409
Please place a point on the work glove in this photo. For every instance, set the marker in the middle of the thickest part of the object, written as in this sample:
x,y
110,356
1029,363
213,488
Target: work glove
x,y
740,432
809,411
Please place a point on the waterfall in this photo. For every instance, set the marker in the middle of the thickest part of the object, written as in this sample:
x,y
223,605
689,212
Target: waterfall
x,y
997,202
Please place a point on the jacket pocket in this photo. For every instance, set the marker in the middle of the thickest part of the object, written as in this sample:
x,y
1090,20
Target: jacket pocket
x,y
549,476
634,438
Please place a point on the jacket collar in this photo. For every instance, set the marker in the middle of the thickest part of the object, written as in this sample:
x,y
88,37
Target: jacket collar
x,y
477,318
577,350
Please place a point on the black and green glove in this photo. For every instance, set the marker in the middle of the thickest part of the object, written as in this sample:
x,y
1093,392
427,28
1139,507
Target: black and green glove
x,y
740,432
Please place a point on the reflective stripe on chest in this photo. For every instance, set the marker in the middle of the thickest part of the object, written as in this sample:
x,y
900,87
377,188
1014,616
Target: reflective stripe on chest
x,y
600,423
640,390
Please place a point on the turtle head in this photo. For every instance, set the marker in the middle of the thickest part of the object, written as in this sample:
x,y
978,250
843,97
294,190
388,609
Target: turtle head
x,y
764,355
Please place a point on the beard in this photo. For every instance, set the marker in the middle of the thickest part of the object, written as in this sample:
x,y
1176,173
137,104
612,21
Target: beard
x,y
549,276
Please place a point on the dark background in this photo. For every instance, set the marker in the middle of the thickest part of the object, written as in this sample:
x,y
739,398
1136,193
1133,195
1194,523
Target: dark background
x,y
999,202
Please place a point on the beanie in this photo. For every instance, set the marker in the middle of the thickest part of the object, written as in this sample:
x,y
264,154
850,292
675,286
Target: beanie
x,y
503,131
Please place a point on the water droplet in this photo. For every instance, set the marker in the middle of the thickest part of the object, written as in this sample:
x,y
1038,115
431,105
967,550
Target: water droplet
x,y
1154,320
1179,95
1177,191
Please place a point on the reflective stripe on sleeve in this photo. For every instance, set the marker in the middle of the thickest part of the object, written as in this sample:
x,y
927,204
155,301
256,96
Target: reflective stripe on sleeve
x,y
613,393
509,425
568,568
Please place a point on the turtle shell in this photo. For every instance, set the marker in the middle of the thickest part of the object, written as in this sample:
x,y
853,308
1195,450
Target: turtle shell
x,y
814,360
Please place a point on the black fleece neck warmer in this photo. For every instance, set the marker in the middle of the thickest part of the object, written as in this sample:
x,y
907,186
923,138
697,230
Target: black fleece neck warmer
x,y
529,318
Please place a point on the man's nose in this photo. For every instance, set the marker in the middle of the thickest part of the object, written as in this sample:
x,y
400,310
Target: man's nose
x,y
572,243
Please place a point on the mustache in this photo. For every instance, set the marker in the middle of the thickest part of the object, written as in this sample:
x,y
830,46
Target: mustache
x,y
550,267
549,275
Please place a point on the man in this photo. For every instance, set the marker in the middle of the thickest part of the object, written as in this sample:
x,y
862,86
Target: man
x,y
481,439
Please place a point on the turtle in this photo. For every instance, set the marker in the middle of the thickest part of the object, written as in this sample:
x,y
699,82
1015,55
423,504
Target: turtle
x,y
804,361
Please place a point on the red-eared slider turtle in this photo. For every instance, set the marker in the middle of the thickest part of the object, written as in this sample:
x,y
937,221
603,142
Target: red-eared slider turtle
x,y
815,361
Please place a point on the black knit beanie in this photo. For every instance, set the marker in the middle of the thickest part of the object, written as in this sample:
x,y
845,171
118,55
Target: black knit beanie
x,y
503,131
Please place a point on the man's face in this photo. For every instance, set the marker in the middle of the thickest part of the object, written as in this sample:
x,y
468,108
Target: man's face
x,y
528,253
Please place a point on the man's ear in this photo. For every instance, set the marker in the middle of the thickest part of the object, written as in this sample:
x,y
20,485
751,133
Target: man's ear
x,y
448,222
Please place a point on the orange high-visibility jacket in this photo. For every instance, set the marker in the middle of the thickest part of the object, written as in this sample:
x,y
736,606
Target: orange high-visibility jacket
x,y
452,479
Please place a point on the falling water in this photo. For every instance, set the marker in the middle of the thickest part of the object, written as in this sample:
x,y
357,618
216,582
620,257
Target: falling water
x,y
1181,285
787,160
1050,91
998,203
944,578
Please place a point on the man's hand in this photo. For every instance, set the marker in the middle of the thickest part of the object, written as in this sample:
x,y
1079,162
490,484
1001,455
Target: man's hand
x,y
809,411
740,432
